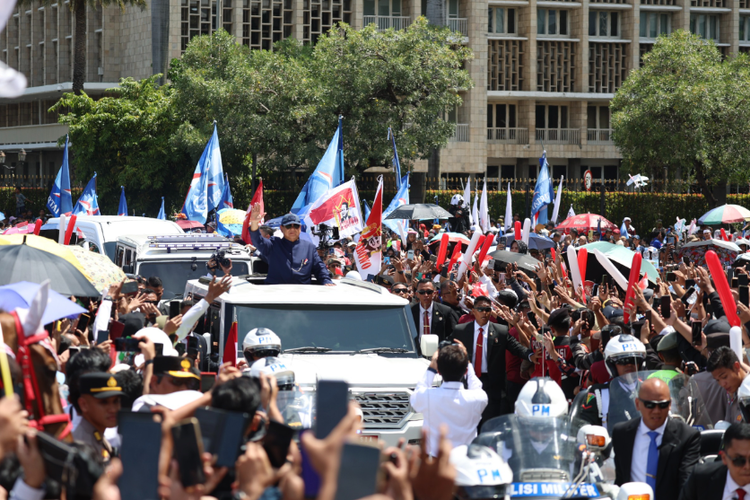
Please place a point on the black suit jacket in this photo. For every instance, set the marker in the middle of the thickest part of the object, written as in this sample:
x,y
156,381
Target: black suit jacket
x,y
707,482
498,341
442,323
678,455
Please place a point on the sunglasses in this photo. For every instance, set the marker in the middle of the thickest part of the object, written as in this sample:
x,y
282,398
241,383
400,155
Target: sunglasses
x,y
626,361
425,292
650,405
483,309
399,290
179,382
738,461
292,226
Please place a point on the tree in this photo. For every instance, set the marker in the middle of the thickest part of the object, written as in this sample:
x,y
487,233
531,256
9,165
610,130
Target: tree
x,y
684,109
79,8
127,140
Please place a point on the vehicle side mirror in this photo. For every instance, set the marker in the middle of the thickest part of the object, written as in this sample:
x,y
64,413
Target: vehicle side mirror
x,y
127,269
428,344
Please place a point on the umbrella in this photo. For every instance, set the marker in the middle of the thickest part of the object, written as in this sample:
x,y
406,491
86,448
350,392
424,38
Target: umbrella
x,y
743,259
102,272
696,251
525,262
189,224
20,229
231,216
536,241
46,244
21,294
26,263
585,222
725,214
421,211
620,256
452,238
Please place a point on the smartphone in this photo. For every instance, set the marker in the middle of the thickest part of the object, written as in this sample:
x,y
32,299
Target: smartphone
x,y
129,287
386,260
159,349
230,438
671,277
735,282
74,350
665,311
410,255
208,379
192,343
696,331
742,279
689,283
607,280
332,403
688,293
359,472
276,442
649,318
210,421
188,448
686,260
730,273
139,452
102,336
127,344
433,259
83,322
744,295
331,251
115,329
174,308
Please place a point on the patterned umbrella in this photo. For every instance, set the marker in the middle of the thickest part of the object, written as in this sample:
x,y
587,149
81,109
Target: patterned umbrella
x,y
586,223
452,238
101,271
696,251
46,244
725,214
231,216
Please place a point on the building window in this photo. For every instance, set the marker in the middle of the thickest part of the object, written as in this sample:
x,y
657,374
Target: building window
x,y
551,116
744,28
265,22
598,117
199,17
552,22
452,9
501,115
705,25
507,172
604,24
319,16
654,24
385,8
502,21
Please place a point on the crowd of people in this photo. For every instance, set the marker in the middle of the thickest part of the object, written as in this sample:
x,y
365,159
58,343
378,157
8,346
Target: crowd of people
x,y
512,341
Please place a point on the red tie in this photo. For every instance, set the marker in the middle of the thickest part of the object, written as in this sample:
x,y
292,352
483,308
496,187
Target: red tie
x,y
478,355
740,493
426,330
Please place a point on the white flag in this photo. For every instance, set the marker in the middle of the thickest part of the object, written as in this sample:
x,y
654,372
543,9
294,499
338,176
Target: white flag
x,y
508,211
467,198
484,212
571,212
557,201
474,211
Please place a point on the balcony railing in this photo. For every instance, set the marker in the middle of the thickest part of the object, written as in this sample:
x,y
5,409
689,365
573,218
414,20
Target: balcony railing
x,y
558,135
386,22
508,135
462,133
459,25
599,136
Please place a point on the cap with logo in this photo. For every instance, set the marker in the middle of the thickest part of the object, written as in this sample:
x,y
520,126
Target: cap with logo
x,y
175,367
99,385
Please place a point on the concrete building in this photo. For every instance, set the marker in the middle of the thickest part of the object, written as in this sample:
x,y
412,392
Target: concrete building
x,y
544,70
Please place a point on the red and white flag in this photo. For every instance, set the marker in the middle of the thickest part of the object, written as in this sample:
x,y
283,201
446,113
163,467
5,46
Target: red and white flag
x,y
230,348
339,207
257,198
368,255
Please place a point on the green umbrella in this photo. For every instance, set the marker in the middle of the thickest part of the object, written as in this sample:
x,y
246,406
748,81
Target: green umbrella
x,y
620,256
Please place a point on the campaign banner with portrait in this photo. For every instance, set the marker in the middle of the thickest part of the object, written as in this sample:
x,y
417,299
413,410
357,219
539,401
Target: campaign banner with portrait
x,y
368,255
339,207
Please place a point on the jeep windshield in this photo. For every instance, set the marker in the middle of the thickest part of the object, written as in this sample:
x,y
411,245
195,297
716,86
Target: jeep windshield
x,y
175,274
313,329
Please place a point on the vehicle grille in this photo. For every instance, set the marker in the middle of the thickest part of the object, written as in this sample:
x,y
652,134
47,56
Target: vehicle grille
x,y
384,409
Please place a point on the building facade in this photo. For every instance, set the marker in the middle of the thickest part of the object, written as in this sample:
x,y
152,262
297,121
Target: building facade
x,y
544,70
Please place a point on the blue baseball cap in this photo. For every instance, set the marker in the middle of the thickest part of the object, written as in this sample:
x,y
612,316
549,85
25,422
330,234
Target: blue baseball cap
x,y
290,219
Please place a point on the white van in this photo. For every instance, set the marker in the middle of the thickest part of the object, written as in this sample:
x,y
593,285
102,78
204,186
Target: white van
x,y
101,231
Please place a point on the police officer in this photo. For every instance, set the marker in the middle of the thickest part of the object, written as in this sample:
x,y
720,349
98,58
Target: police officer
x,y
260,343
98,406
174,374
480,473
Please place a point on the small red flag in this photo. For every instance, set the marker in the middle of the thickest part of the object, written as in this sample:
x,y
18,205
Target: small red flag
x,y
230,348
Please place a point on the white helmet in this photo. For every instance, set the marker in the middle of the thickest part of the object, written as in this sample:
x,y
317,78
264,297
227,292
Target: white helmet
x,y
259,343
541,397
480,472
457,200
623,346
274,367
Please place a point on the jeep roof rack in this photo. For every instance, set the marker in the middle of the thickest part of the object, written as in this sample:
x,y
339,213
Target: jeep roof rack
x,y
189,242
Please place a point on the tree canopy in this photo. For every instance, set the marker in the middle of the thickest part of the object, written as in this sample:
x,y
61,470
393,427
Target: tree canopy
x,y
685,109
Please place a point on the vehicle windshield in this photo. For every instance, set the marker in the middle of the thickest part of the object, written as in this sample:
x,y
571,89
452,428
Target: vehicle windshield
x,y
538,449
338,328
175,274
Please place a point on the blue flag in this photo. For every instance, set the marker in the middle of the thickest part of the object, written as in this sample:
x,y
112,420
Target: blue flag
x,y
60,199
624,230
88,203
402,198
367,209
162,215
543,191
396,162
123,208
327,175
226,196
207,184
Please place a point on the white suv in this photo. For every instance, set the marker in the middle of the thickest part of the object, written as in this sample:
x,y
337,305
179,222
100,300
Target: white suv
x,y
355,331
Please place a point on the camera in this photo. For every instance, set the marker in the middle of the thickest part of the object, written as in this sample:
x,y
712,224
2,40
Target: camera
x,y
218,259
327,235
444,343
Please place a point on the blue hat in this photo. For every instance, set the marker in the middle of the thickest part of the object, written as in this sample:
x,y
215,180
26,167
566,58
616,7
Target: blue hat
x,y
290,219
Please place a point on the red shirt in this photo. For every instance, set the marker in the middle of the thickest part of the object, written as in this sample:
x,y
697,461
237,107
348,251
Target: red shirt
x,y
512,362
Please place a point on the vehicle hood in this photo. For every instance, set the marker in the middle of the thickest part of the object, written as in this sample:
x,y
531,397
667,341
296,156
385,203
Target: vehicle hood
x,y
359,370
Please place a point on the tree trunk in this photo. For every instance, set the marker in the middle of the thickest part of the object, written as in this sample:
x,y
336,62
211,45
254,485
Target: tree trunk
x,y
703,183
79,56
433,169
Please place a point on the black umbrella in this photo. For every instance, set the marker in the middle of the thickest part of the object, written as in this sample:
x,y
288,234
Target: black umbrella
x,y
420,211
26,263
525,263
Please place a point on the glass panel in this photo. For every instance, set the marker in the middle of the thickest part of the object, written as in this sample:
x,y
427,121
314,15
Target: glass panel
x,y
643,24
742,28
511,21
563,22
369,7
702,26
592,23
652,25
563,117
540,122
453,10
603,24
603,117
396,8
614,21
384,8
500,118
489,116
552,22
664,24
552,117
714,32
512,115
591,117
500,24
541,23
692,24
490,18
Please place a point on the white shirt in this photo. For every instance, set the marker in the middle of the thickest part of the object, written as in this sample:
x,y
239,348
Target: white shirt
x,y
451,404
421,318
484,344
730,489
640,450
191,317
